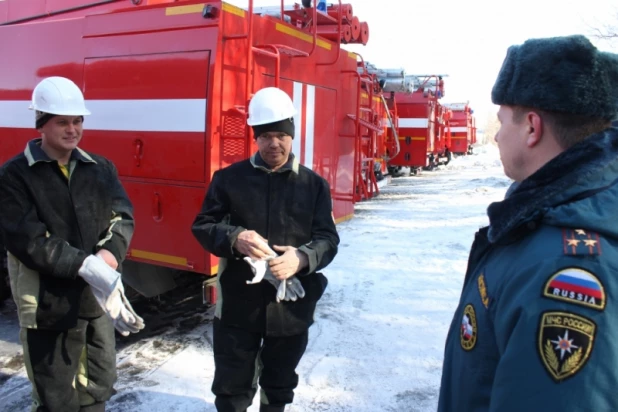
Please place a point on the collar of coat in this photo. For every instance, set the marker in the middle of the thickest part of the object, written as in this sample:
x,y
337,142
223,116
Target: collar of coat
x,y
34,153
581,171
291,165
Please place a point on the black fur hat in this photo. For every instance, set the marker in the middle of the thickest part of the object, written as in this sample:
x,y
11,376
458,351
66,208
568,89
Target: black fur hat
x,y
559,74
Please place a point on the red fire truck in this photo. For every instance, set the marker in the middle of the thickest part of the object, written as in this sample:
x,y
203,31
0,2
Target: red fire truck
x,y
168,83
462,127
423,133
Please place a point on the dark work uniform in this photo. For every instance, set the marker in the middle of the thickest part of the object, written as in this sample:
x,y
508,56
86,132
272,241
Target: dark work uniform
x,y
52,217
290,207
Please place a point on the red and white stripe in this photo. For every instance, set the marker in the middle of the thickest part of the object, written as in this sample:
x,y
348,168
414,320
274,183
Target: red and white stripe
x,y
169,115
304,101
142,115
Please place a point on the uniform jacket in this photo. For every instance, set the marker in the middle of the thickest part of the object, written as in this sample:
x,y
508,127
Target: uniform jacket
x,y
51,223
289,207
536,326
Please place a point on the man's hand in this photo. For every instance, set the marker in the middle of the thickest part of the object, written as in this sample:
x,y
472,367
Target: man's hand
x,y
288,264
250,243
108,258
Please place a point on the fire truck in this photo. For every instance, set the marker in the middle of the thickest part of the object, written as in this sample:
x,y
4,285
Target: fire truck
x,y
462,128
168,83
423,132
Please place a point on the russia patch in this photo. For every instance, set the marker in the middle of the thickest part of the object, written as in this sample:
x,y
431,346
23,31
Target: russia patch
x,y
565,342
468,331
577,286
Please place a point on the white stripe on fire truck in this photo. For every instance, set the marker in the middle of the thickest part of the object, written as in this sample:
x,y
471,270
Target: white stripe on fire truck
x,y
298,119
459,129
413,122
310,126
15,114
165,115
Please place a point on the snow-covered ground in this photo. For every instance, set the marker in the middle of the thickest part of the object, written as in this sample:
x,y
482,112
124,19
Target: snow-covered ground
x,y
377,344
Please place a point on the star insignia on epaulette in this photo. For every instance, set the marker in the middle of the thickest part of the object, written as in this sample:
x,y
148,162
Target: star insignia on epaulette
x,y
580,242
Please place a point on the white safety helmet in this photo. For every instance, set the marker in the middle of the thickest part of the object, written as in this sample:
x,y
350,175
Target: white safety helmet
x,y
59,96
270,105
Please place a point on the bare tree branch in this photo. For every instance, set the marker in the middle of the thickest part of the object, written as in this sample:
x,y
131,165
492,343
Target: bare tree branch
x,y
606,31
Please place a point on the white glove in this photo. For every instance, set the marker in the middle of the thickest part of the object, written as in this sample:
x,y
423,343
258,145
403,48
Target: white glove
x,y
291,289
294,289
100,275
259,268
105,283
108,290
126,320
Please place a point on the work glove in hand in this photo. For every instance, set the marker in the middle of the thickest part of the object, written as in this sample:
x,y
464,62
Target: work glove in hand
x,y
259,266
100,275
294,289
126,321
259,269
108,290
105,283
291,289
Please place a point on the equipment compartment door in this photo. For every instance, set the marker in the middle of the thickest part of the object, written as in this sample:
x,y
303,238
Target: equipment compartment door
x,y
149,113
164,215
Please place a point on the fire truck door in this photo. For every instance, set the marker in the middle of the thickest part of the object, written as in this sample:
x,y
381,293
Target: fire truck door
x,y
149,113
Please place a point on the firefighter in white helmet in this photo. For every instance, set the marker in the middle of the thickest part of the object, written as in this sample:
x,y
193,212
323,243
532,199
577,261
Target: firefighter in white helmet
x,y
66,222
267,218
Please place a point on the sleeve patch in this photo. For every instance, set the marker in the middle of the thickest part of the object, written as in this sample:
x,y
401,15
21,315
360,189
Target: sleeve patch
x,y
469,330
565,343
577,286
483,290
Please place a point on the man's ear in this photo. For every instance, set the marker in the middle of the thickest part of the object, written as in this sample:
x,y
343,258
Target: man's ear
x,y
534,124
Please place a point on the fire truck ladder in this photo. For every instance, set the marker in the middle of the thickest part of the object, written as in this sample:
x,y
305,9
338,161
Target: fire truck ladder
x,y
393,120
365,182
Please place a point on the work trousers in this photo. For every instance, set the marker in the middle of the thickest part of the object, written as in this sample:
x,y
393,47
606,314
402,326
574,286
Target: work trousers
x,y
71,370
243,358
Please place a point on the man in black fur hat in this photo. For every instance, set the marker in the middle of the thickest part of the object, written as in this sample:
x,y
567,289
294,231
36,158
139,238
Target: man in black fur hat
x,y
269,220
535,328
